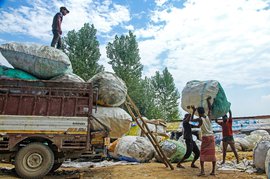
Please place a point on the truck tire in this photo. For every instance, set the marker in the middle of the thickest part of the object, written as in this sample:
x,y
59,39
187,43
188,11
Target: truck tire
x,y
34,161
56,165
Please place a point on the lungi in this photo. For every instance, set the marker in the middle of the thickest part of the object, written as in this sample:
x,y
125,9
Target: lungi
x,y
208,149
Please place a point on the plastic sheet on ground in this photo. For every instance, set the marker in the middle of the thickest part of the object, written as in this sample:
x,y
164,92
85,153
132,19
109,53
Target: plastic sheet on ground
x,y
243,166
105,163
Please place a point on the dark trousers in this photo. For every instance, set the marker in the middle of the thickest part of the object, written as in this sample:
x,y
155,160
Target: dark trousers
x,y
56,40
191,147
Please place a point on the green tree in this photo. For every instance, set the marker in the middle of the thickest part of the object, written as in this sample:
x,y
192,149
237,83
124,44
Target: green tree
x,y
149,107
124,57
82,48
166,95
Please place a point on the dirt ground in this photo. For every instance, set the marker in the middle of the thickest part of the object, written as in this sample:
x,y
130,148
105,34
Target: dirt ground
x,y
141,171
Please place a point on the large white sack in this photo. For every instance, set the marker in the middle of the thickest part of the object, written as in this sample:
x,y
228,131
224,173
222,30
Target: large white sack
x,y
112,90
195,93
237,146
253,139
41,61
245,144
134,147
153,126
68,77
260,152
115,118
260,132
267,162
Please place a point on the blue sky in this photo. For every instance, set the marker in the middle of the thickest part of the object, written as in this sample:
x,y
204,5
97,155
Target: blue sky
x,y
228,41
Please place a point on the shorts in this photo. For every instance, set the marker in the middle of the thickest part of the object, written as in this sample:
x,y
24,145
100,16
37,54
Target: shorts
x,y
228,139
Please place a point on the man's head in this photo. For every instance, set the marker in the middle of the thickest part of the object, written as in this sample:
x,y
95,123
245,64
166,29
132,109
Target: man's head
x,y
201,111
224,118
64,10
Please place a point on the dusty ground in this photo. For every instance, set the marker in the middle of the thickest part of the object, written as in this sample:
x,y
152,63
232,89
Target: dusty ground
x,y
141,171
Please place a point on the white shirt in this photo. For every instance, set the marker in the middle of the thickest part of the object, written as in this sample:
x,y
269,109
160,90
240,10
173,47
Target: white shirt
x,y
206,127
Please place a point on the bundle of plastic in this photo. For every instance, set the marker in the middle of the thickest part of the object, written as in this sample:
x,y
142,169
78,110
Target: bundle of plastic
x,y
260,153
68,77
43,62
196,93
134,149
117,120
174,150
112,91
6,72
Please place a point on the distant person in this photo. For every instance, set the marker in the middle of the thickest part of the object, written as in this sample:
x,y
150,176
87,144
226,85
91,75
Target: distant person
x,y
56,27
227,136
172,135
190,144
208,153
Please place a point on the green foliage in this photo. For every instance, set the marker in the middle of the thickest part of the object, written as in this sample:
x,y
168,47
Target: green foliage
x,y
166,95
82,48
124,57
155,97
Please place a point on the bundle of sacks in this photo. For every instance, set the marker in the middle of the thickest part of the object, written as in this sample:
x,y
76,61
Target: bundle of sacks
x,y
173,150
132,149
112,92
33,61
261,153
195,93
248,142
156,126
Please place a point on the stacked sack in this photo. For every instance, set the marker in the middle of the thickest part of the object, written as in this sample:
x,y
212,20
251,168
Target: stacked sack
x,y
196,93
132,149
112,93
33,61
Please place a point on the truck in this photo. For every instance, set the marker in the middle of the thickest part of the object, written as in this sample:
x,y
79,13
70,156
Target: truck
x,y
43,123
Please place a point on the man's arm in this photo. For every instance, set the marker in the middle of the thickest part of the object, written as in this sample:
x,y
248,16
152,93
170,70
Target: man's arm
x,y
192,114
219,123
200,122
230,115
209,106
59,24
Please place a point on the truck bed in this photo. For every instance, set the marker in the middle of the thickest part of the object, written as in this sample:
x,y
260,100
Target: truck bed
x,y
43,124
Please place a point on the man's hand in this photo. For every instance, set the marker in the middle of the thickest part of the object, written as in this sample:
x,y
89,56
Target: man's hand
x,y
193,108
209,98
60,32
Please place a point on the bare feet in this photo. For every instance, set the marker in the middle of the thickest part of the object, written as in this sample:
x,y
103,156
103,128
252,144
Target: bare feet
x,y
180,166
213,173
194,166
237,161
201,174
222,162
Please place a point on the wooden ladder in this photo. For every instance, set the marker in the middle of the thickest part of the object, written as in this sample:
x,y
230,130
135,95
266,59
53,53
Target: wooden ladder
x,y
132,108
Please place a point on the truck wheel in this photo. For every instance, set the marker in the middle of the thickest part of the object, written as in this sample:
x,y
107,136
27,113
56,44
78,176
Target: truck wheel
x,y
34,161
56,166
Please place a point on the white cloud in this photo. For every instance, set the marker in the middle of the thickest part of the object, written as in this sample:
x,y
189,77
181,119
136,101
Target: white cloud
x,y
35,20
266,98
212,39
